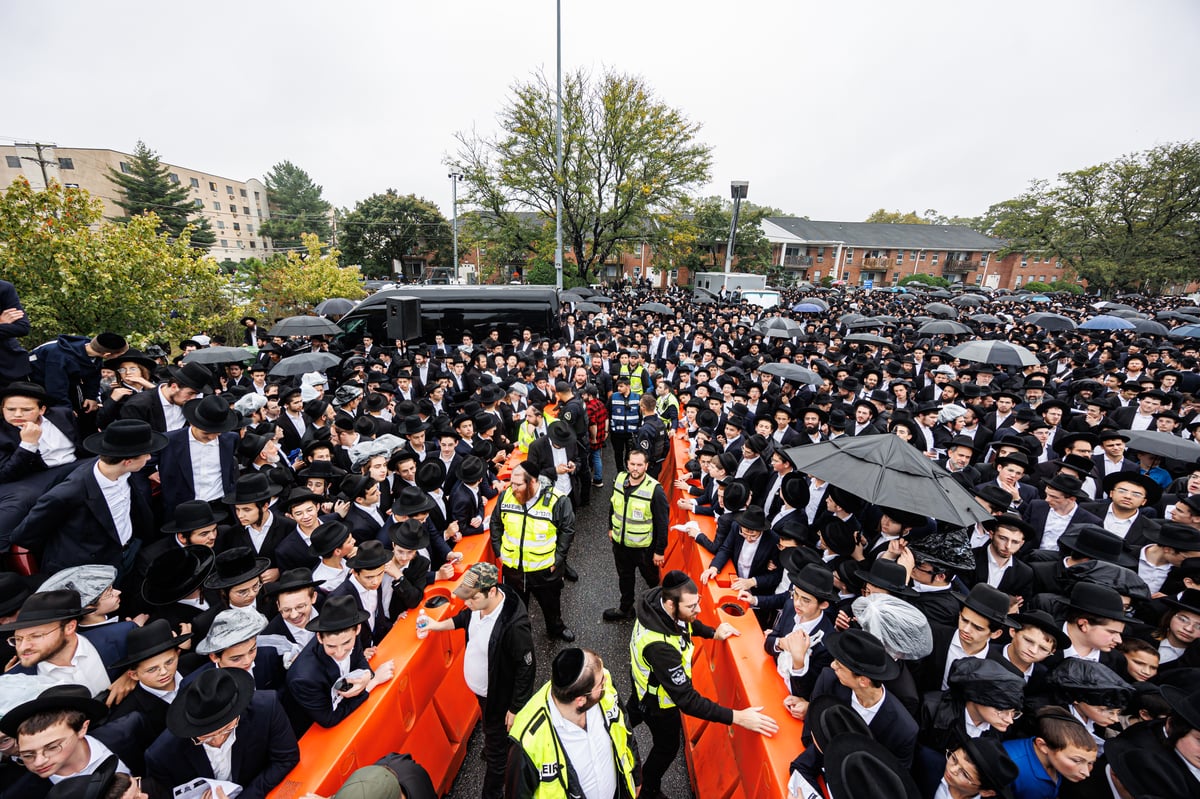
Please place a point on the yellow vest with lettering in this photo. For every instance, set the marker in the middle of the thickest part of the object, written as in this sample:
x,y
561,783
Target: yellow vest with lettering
x,y
642,673
529,540
632,519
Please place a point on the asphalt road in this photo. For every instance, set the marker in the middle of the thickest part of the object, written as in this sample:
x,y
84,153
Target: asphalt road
x,y
583,602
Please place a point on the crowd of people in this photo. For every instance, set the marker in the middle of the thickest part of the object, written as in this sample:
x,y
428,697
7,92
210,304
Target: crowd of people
x,y
202,556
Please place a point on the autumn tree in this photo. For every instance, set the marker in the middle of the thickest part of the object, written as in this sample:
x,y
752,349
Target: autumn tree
x,y
148,188
293,283
296,205
626,154
393,228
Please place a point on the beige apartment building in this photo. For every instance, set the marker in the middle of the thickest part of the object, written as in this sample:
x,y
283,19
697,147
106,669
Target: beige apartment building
x,y
235,208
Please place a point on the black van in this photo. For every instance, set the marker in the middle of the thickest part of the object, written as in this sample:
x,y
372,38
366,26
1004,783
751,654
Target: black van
x,y
454,310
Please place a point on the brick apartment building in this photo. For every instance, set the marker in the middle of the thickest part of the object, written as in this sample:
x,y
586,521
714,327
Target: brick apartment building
x,y
234,208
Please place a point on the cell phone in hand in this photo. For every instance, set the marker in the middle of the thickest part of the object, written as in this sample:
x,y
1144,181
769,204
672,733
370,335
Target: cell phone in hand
x,y
342,684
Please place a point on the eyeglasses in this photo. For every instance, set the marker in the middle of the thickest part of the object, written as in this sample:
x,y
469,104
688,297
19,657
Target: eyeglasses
x,y
33,638
162,669
1187,622
134,369
49,750
1011,713
246,593
956,767
224,732
1129,491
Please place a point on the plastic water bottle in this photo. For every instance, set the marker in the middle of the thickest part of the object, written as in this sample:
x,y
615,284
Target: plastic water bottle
x,y
422,624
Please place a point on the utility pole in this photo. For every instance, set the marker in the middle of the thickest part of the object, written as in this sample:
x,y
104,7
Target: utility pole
x,y
39,159
558,159
737,190
455,177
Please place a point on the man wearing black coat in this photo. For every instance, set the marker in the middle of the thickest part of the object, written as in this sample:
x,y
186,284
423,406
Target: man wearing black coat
x,y
14,323
39,447
162,408
199,460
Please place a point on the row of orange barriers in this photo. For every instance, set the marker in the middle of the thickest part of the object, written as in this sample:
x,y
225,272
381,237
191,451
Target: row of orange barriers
x,y
735,672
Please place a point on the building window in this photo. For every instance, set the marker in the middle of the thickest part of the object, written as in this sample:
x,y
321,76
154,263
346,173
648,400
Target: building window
x,y
933,260
236,226
983,259
255,196
173,178
921,256
900,256
246,210
979,280
220,224
199,203
242,192
253,246
229,189
195,183
12,161
212,186
233,209
125,167
817,274
1024,261
66,163
216,206
225,243
820,252
849,254
250,229
1041,278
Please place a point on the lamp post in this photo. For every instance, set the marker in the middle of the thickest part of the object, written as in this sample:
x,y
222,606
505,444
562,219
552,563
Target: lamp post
x,y
737,190
558,153
455,177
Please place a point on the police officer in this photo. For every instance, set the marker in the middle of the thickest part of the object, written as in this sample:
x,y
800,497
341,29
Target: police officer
x,y
651,437
571,410
667,404
625,418
637,529
532,528
554,755
661,662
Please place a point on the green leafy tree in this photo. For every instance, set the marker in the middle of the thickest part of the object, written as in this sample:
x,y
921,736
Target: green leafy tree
x,y
884,216
297,207
293,283
751,250
391,227
626,154
78,274
1134,221
928,280
503,249
148,188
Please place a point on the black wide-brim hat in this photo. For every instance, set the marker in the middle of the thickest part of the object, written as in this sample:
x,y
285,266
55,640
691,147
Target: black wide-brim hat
x,y
886,574
192,375
815,580
560,434
208,703
88,786
472,469
252,489
1009,520
1097,601
327,537
412,501
409,534
753,518
337,614
212,414
859,767
1153,490
125,438
151,639
192,515
1148,771
22,388
236,566
56,697
45,607
323,470
1099,543
370,555
292,580
989,602
176,573
1046,623
863,653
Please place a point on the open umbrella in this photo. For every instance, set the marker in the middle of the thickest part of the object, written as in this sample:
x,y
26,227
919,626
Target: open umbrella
x,y
655,307
868,338
986,319
793,372
1049,321
1185,331
1001,353
941,294
891,320
1128,314
1149,327
702,299
600,299
703,291
847,318
335,306
786,332
1178,316
808,307
774,323
588,307
214,355
1113,306
305,362
944,327
972,300
583,291
941,309
304,326
1105,322
864,322
886,470
1163,444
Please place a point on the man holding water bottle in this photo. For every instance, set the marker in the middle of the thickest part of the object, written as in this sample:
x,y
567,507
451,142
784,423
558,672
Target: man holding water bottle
x,y
499,663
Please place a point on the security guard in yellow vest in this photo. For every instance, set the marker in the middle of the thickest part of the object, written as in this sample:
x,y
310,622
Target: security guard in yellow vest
x,y
660,654
559,731
637,529
532,528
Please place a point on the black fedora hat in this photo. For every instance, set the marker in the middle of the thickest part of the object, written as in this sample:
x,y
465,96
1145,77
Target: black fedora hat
x,y
1046,623
862,653
1097,601
192,375
154,638
431,474
1062,442
14,590
211,414
1009,520
176,573
327,537
1096,542
215,698
292,580
989,602
1152,489
56,697
125,438
409,534
22,388
192,515
1181,537
45,607
412,501
996,497
995,768
851,503
236,566
325,470
1068,484
859,767
471,469
1078,465
828,718
753,518
794,489
95,785
370,555
1148,771
560,434
299,495
337,614
815,580
354,486
252,489
888,575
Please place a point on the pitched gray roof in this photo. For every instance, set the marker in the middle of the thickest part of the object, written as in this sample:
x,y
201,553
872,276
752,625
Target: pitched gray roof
x,y
883,236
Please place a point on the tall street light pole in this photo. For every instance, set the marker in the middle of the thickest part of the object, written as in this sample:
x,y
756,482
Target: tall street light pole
x,y
455,177
558,157
738,190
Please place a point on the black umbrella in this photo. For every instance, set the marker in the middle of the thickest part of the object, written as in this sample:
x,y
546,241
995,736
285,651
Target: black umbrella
x,y
1049,321
973,300
793,372
305,362
795,332
847,318
941,294
1164,444
702,292
701,299
600,299
944,327
941,309
868,338
335,306
986,319
655,307
1149,327
304,326
866,321
214,355
886,470
1001,353
588,307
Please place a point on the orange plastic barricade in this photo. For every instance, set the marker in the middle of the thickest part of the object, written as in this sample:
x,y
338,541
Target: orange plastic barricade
x,y
426,709
735,672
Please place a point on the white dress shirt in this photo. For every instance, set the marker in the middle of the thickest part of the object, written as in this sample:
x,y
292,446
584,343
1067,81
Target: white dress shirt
x,y
1056,525
956,651
746,556
368,598
167,696
97,754
86,668
589,751
1118,527
867,714
258,536
54,446
206,468
475,660
221,757
561,481
172,413
996,569
1153,575
117,497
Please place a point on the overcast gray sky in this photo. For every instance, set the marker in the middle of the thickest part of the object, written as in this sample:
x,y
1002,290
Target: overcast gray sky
x,y
829,109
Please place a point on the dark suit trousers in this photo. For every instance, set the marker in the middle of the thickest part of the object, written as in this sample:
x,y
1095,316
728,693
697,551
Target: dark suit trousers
x,y
666,729
545,587
495,751
621,446
629,561
17,498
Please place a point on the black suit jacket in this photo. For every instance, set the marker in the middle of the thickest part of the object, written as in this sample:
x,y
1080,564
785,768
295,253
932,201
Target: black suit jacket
x,y
17,463
233,536
175,467
1135,539
766,554
147,406
368,636
818,658
893,726
1017,579
1036,513
73,524
757,477
310,682
14,360
264,751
